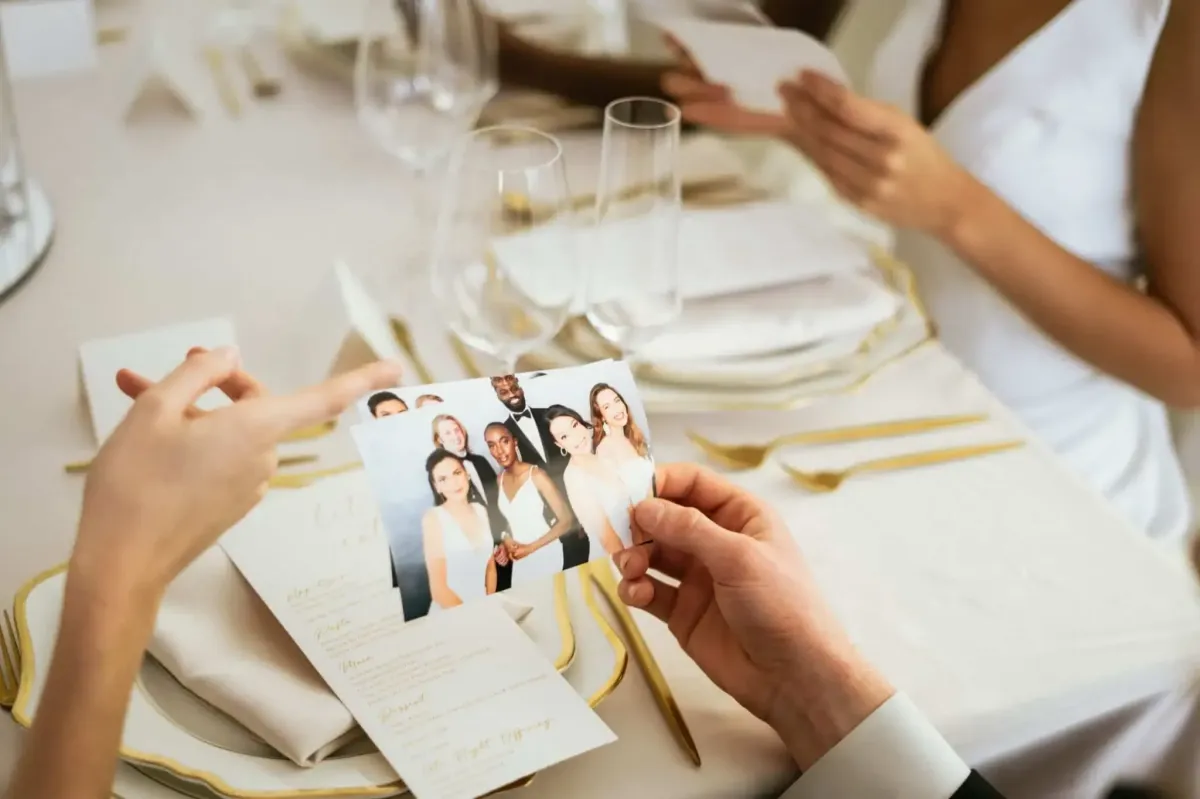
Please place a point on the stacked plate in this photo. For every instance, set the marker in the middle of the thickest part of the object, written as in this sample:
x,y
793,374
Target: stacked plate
x,y
183,745
782,306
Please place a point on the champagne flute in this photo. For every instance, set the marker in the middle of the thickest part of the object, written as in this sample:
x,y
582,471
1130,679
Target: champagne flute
x,y
505,272
633,287
424,71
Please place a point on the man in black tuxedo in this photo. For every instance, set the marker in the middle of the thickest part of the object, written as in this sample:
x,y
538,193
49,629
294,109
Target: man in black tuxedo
x,y
532,433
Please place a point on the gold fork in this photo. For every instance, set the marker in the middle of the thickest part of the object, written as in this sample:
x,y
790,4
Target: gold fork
x,y
823,482
751,456
10,663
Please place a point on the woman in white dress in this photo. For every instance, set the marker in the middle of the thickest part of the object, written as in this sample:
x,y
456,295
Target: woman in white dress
x,y
459,552
620,441
595,489
526,498
1040,161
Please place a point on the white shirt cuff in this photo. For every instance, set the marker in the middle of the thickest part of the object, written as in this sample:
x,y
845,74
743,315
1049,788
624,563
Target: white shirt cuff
x,y
895,753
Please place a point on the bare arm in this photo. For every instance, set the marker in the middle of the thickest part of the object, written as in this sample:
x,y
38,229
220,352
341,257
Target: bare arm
x,y
489,579
1151,341
591,513
588,80
564,518
435,563
71,751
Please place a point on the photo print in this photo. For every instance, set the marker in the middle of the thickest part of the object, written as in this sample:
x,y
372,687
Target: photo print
x,y
488,483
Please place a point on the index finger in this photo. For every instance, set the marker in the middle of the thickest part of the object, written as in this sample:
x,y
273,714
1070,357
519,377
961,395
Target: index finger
x,y
845,106
701,488
279,417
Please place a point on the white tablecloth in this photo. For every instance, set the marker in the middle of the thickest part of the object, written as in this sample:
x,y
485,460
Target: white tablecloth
x,y
1002,594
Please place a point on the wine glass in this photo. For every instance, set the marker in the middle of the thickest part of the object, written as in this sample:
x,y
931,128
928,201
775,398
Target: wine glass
x,y
504,270
633,288
423,72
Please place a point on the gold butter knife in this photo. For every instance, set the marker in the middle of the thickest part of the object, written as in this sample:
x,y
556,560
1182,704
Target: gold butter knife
x,y
225,87
79,467
602,576
404,338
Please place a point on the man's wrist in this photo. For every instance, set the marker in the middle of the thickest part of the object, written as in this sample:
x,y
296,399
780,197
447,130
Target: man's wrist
x,y
825,704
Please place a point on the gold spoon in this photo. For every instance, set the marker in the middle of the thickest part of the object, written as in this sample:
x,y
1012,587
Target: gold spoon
x,y
751,456
824,482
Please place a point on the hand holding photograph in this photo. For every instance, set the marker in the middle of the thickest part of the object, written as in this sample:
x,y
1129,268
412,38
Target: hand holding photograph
x,y
488,483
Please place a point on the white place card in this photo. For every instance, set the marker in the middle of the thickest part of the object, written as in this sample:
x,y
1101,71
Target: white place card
x,y
45,37
752,59
152,354
459,704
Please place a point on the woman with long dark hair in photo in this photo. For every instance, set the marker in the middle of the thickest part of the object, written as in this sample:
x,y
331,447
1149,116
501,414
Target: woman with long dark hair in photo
x,y
459,551
525,493
617,439
594,486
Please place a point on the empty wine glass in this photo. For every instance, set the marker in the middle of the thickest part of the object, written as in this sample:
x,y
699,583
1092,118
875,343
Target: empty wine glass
x,y
504,270
633,287
424,71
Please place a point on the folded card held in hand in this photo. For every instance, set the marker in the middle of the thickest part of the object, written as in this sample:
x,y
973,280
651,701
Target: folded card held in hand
x,y
752,59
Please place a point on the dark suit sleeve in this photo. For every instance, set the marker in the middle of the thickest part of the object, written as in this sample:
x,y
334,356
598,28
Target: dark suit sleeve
x,y
976,787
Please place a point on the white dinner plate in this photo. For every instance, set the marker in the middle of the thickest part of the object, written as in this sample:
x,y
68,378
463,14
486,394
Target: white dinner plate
x,y
173,735
777,381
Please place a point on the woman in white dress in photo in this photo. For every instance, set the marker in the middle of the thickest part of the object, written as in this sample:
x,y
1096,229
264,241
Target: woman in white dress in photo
x,y
620,441
1039,162
528,500
459,552
595,489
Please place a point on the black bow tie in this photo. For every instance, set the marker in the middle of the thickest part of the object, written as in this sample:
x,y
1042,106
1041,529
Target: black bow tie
x,y
525,414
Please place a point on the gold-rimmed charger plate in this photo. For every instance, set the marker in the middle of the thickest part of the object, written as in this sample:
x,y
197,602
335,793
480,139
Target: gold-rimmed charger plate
x,y
777,382
174,737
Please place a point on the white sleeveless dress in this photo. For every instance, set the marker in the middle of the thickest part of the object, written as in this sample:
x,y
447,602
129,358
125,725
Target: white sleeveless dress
x,y
638,476
466,566
526,517
1049,130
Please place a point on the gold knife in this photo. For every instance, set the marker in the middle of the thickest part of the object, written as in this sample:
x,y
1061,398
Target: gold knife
x,y
602,576
404,338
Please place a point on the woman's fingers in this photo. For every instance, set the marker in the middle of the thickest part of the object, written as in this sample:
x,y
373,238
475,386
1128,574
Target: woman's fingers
x,y
241,385
686,87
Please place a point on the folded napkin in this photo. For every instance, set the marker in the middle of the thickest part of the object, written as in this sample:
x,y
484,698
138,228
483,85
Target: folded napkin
x,y
774,320
220,641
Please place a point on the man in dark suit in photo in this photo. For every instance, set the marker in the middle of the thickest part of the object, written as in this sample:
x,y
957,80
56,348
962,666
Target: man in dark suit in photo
x,y
532,433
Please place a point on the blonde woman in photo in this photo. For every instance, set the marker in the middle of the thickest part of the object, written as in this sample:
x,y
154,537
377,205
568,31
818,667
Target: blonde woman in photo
x,y
595,489
459,553
620,441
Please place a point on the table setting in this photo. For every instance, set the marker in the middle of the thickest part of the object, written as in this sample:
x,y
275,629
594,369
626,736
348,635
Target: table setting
x,y
1005,597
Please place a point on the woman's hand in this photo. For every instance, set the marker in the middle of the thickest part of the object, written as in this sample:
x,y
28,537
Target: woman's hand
x,y
520,551
747,610
876,156
500,555
171,479
712,104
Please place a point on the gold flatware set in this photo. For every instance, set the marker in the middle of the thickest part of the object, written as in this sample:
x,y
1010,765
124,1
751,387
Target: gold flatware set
x,y
752,456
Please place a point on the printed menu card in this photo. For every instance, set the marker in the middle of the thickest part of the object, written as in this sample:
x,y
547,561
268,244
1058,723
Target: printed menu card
x,y
459,704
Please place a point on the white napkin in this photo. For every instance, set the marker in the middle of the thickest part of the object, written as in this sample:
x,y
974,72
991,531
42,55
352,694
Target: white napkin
x,y
721,252
774,320
218,639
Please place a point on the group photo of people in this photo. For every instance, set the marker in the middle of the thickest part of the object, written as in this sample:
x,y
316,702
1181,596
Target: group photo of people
x,y
501,481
